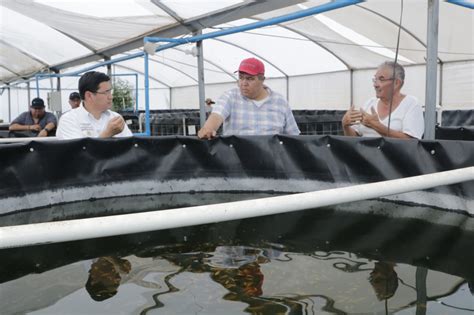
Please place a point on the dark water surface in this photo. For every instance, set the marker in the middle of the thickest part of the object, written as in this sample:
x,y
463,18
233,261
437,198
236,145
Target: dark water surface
x,y
309,262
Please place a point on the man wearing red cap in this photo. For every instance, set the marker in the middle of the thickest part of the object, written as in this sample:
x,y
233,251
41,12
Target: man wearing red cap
x,y
250,109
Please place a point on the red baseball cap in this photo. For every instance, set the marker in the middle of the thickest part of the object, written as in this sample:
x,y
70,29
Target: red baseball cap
x,y
252,66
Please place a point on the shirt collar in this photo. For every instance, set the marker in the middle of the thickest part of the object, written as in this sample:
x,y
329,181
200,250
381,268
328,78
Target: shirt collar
x,y
83,111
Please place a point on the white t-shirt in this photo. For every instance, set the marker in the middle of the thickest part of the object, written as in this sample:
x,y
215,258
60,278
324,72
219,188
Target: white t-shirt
x,y
407,118
79,123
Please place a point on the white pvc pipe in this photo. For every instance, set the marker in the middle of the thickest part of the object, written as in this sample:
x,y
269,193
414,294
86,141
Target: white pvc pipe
x,y
27,139
61,231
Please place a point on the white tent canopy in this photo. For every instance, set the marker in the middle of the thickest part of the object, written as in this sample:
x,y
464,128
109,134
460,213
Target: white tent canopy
x,y
324,61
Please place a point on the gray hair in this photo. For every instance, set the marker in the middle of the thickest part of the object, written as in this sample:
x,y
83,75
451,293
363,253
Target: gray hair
x,y
394,66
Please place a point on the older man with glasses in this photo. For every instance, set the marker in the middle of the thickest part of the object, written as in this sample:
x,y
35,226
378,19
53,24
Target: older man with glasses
x,y
390,113
250,109
93,118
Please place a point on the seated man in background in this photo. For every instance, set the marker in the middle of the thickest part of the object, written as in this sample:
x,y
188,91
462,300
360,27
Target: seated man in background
x,y
93,118
389,107
74,100
250,109
37,120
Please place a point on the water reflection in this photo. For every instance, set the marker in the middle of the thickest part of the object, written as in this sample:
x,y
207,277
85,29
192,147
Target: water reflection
x,y
302,263
105,275
238,269
384,280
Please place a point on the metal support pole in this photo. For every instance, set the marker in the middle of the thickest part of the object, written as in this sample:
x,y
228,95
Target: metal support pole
x,y
202,92
184,125
29,93
58,83
431,69
147,98
351,82
136,92
109,66
9,103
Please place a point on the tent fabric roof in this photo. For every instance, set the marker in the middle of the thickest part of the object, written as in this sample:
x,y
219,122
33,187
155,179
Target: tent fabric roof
x,y
44,35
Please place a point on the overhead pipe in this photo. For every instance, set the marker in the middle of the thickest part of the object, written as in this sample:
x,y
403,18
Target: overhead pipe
x,y
462,3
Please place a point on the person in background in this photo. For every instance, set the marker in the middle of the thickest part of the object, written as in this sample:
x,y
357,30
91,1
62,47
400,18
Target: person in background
x,y
93,118
37,120
74,100
404,111
250,109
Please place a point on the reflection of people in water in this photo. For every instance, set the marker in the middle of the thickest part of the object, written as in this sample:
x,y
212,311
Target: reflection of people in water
x,y
236,268
105,276
245,281
384,280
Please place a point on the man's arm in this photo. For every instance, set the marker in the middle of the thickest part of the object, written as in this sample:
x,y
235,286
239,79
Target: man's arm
x,y
351,117
47,129
291,127
18,127
209,130
18,124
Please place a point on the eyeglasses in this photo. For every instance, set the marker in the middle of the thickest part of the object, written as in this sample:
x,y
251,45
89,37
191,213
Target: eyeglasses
x,y
106,92
249,78
382,79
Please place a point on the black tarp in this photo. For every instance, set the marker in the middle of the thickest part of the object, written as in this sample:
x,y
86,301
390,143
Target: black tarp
x,y
455,133
457,118
35,167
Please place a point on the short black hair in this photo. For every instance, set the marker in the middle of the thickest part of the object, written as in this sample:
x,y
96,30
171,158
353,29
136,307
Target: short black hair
x,y
74,96
90,82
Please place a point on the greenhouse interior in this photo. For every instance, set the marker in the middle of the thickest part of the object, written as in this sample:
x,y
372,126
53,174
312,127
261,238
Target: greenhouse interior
x,y
157,208
323,61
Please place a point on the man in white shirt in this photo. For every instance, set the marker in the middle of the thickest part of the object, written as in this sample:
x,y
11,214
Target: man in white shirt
x,y
93,118
403,113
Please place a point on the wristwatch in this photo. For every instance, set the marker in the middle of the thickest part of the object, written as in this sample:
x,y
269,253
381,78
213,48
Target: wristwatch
x,y
47,130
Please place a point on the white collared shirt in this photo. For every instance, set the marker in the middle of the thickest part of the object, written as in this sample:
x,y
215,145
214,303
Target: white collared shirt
x,y
79,123
407,118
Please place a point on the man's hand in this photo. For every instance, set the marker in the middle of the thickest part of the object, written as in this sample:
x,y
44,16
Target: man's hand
x,y
370,120
114,126
206,133
34,127
351,117
209,130
42,133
